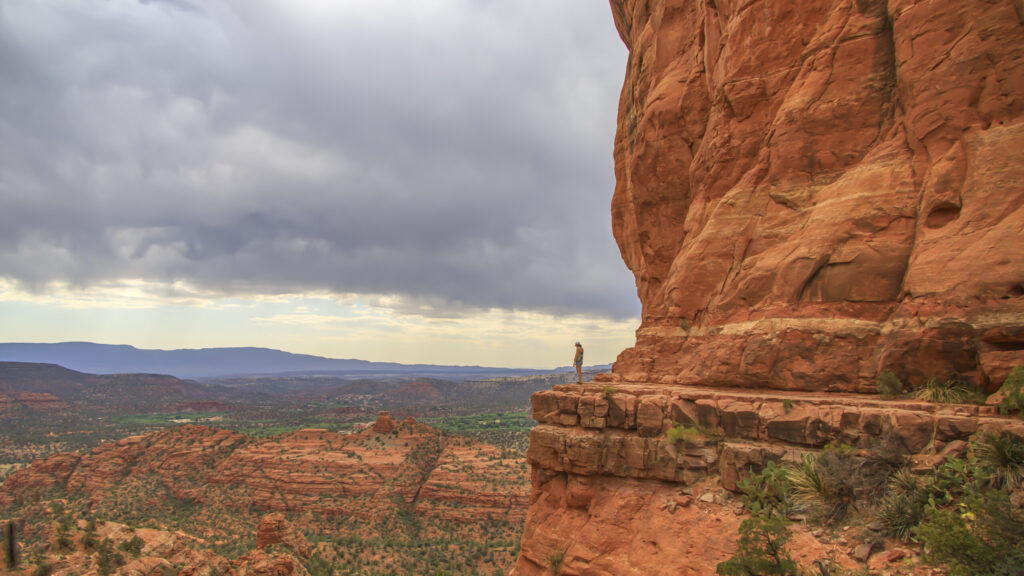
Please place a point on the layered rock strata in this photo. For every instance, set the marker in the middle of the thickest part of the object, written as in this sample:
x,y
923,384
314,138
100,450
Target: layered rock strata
x,y
810,192
611,488
364,474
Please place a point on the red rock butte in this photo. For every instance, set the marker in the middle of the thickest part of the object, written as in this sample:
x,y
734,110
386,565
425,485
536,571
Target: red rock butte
x,y
384,424
810,192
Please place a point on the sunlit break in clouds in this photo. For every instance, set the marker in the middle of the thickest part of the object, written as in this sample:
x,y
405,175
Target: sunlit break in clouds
x,y
404,181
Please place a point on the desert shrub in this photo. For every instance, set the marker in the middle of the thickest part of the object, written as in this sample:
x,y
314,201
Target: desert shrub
x,y
888,451
809,486
1013,392
954,480
761,547
607,392
555,561
787,405
902,508
133,546
889,385
1003,457
825,487
681,433
952,391
317,566
767,491
986,540
63,539
107,558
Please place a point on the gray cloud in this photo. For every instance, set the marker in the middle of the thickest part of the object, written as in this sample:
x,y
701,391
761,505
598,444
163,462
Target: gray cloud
x,y
455,152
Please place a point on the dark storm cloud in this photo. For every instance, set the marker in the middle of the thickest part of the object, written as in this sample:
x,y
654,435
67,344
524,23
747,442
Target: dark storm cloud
x,y
454,152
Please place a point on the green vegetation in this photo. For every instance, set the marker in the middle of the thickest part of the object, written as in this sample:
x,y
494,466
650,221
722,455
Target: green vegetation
x,y
951,391
761,548
607,392
399,539
680,433
509,430
827,487
108,560
1003,457
133,546
555,561
902,507
170,418
889,385
967,513
1013,392
980,536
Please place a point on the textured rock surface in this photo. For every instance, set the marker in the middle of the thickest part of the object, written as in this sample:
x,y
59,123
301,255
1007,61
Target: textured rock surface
x,y
617,496
311,470
275,529
809,192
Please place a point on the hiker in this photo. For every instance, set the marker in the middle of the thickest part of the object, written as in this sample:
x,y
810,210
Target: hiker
x,y
578,363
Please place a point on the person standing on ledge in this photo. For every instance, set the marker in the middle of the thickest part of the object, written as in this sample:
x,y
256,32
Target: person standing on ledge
x,y
578,363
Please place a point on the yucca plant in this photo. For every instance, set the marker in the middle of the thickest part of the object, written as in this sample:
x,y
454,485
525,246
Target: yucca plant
x,y
952,391
825,486
808,487
1004,455
904,482
903,506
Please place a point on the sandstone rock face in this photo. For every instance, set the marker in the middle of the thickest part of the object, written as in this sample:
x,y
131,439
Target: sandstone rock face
x,y
384,424
312,470
810,192
275,529
620,496
617,527
38,477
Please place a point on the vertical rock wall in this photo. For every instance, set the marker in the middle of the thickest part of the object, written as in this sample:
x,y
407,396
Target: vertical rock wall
x,y
811,191
808,192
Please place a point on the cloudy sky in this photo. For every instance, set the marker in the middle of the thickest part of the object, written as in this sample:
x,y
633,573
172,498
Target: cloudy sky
x,y
421,181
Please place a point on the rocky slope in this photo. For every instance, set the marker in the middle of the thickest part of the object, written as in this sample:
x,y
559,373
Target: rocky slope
x,y
388,479
613,494
110,547
310,470
809,192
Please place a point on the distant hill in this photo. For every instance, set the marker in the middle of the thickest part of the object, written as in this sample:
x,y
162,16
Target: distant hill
x,y
116,392
218,362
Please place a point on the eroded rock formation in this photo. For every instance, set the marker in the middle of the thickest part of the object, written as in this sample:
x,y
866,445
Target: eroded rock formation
x,y
809,192
364,474
612,489
275,529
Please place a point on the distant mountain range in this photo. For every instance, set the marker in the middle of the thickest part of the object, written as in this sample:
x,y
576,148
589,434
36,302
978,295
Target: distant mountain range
x,y
220,362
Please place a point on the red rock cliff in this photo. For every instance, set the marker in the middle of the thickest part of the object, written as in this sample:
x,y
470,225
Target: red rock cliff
x,y
811,191
808,192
